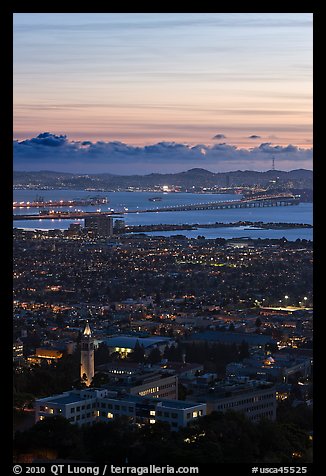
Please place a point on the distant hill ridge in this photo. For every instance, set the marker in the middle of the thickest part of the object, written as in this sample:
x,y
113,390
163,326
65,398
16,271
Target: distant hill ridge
x,y
196,177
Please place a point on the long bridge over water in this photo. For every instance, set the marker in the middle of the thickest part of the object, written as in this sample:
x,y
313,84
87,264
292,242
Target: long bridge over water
x,y
280,200
265,201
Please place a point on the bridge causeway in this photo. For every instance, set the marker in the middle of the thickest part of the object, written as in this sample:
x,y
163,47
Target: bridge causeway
x,y
248,203
265,201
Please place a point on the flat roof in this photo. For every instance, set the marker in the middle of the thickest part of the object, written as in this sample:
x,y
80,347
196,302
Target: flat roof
x,y
231,337
286,308
225,393
129,342
181,366
66,398
177,404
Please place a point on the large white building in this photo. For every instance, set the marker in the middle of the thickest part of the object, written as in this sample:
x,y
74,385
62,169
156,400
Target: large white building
x,y
125,344
86,406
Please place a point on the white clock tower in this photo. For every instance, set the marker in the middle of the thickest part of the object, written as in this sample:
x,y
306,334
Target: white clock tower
x,y
87,356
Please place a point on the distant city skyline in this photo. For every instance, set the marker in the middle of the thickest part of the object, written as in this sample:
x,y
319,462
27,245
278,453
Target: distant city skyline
x,y
162,92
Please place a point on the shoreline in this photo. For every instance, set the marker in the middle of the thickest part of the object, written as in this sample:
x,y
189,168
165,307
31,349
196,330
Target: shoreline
x,y
252,225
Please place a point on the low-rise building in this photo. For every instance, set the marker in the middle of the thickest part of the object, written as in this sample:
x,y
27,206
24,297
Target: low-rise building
x,y
131,304
140,380
255,399
44,354
67,346
278,367
87,406
181,369
257,341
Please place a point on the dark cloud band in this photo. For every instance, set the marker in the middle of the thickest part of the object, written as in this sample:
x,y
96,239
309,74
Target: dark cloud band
x,y
56,152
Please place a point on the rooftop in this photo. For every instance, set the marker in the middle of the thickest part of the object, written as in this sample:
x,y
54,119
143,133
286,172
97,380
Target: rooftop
x,y
78,397
225,390
181,367
72,396
178,404
129,342
233,337
64,399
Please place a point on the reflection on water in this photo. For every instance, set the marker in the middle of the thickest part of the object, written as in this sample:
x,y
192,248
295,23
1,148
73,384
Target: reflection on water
x,y
301,213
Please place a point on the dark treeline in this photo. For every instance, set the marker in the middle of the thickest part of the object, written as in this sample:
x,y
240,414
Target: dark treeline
x,y
214,357
217,438
45,379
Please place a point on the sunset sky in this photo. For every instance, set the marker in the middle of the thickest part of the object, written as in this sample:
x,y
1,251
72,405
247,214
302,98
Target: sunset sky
x,y
194,79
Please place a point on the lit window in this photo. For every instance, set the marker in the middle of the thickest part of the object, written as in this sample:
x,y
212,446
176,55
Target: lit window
x,y
152,421
110,415
152,412
194,414
51,410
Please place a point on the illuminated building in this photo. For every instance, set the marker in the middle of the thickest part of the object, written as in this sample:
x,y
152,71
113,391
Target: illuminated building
x,y
279,368
100,225
92,405
17,350
87,356
140,380
126,344
257,341
256,400
44,354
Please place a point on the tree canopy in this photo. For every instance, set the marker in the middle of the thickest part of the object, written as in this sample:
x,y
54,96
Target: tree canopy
x,y
217,438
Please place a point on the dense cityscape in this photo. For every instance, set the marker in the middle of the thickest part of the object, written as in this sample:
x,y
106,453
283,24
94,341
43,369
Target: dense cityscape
x,y
218,332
